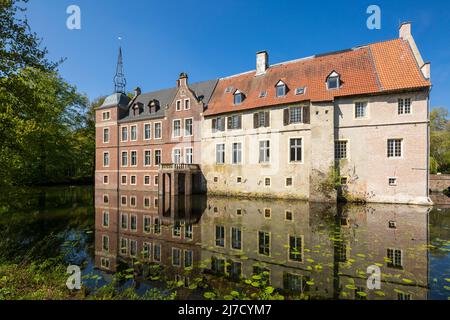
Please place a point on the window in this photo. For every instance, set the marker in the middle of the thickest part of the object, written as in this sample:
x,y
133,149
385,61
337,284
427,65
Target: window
x,y
105,243
289,182
124,134
157,157
340,149
188,127
238,179
295,115
188,231
146,181
392,182
281,89
295,282
217,265
105,263
133,201
263,94
392,224
106,159
176,155
105,198
106,135
267,213
157,226
176,257
124,158
156,182
178,107
146,250
235,122
133,133
123,246
187,104
395,258
236,153
133,222
147,224
238,97
176,230
295,248
403,296
236,238
228,89
394,148
105,179
404,106
124,179
264,243
189,155
188,258
133,158
220,236
176,128
133,248
333,81
133,180
105,221
264,151
124,221
360,110
239,212
288,215
157,252
300,91
158,130
220,153
147,200
147,131
147,157
106,115
295,150
218,124
267,182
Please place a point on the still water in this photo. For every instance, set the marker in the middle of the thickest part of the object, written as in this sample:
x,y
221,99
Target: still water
x,y
213,247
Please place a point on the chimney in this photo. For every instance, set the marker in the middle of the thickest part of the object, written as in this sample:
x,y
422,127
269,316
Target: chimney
x,y
405,34
182,80
405,30
262,62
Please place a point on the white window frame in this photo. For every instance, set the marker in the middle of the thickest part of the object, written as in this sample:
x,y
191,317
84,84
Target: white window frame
x,y
126,179
105,214
103,160
180,257
393,184
106,118
121,159
403,99
242,152
366,109
192,127
145,131
122,204
302,150
173,128
186,155
131,158
121,133
178,105
160,129
264,182
145,157
131,224
401,148
122,214
131,180
107,178
189,104
173,155
149,180
216,154
160,156
260,161
131,132
109,138
347,149
292,182
280,84
131,201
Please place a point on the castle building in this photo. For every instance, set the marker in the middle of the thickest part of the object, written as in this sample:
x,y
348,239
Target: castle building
x,y
352,124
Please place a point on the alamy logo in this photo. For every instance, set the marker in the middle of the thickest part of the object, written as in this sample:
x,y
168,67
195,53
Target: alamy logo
x,y
374,279
74,20
74,280
374,20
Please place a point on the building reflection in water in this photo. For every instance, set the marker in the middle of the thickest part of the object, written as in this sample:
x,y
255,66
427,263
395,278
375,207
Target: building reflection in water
x,y
316,249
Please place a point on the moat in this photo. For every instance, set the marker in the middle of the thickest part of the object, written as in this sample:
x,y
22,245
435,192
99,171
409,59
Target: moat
x,y
197,247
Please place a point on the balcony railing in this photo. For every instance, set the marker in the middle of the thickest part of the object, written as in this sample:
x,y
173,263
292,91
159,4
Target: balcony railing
x,y
178,166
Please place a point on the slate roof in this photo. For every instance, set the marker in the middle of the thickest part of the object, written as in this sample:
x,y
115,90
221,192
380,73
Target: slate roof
x,y
370,69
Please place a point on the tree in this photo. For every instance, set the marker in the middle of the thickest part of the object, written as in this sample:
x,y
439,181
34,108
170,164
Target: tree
x,y
440,141
19,47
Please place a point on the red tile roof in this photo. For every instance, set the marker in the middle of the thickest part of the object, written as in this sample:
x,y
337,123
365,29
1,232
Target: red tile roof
x,y
371,69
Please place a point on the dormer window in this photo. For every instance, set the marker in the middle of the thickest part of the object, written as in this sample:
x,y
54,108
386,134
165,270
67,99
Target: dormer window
x,y
281,89
263,94
300,91
333,81
238,97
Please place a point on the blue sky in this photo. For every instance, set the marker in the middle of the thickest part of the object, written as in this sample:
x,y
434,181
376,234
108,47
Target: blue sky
x,y
212,39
